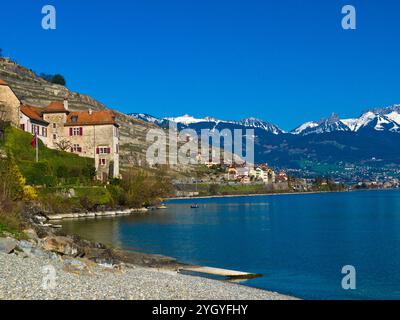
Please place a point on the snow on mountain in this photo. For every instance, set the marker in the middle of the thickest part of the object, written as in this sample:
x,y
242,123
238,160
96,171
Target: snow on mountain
x,y
305,126
187,120
260,124
394,116
379,119
145,117
383,119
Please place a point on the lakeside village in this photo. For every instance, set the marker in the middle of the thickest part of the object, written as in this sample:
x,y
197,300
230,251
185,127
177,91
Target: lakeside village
x,y
94,136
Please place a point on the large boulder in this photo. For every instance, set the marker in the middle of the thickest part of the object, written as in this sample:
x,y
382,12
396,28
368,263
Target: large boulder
x,y
7,245
61,245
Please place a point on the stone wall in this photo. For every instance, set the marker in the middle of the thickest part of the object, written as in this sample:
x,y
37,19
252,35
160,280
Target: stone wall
x,y
9,105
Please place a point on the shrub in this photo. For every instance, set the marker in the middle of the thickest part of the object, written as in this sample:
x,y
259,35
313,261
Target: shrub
x,y
30,193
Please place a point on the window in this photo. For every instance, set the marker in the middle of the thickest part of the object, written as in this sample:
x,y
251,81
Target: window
x,y
44,132
22,126
54,125
117,148
35,129
102,162
74,118
76,148
76,131
103,150
54,136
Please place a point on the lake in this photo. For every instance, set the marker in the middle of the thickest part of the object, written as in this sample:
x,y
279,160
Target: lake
x,y
298,242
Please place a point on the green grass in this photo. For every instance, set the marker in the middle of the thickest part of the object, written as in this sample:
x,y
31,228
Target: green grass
x,y
10,226
54,167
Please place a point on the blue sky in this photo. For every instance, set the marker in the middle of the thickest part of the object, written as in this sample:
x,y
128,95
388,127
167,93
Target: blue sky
x,y
286,61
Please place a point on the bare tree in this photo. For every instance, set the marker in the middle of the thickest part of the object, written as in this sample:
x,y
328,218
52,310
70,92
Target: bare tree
x,y
64,145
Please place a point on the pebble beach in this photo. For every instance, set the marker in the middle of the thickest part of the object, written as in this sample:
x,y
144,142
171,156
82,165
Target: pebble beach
x,y
23,277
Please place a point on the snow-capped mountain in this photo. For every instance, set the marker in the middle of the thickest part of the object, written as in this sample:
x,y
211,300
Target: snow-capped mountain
x,y
145,117
371,139
260,124
383,119
187,121
379,119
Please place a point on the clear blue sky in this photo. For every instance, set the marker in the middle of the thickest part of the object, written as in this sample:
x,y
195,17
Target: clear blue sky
x,y
284,61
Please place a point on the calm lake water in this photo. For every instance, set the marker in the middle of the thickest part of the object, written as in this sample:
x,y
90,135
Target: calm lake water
x,y
298,242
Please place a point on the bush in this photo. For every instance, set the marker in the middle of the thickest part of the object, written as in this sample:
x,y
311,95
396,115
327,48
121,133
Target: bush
x,y
143,188
56,79
118,195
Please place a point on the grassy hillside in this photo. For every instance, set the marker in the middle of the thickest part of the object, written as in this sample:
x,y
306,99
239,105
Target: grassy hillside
x,y
54,167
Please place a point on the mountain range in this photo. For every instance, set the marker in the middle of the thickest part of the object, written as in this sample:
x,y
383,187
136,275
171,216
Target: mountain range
x,y
328,146
380,119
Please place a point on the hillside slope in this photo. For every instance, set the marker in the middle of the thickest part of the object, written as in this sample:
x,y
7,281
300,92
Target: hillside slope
x,y
36,91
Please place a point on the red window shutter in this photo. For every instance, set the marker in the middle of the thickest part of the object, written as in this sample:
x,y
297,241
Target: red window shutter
x,y
70,131
109,150
81,131
97,150
80,149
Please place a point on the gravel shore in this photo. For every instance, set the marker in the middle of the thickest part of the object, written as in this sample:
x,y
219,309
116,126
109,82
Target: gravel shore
x,y
21,278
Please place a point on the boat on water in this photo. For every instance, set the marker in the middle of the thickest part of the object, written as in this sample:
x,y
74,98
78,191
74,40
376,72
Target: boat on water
x,y
194,206
163,206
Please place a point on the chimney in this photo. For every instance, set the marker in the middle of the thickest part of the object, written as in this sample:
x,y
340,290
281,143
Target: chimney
x,y
90,111
66,104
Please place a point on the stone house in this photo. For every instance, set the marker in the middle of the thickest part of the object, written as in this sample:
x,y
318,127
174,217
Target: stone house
x,y
93,134
263,173
9,104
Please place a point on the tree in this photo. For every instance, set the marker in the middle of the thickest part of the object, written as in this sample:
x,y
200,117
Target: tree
x,y
59,79
64,145
56,78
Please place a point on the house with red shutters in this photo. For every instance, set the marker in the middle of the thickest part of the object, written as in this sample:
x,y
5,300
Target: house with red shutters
x,y
93,134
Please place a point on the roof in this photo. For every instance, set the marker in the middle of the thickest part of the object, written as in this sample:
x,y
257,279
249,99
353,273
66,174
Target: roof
x,y
3,83
32,113
55,107
94,118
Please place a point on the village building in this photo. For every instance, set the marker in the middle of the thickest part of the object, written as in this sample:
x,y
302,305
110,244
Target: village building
x,y
264,174
93,134
282,177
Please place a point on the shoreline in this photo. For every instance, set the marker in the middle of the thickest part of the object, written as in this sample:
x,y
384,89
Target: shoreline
x,y
255,195
23,278
275,194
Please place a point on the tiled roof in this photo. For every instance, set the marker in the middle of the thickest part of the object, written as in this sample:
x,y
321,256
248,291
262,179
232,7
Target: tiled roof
x,y
3,83
33,113
95,117
55,107
77,118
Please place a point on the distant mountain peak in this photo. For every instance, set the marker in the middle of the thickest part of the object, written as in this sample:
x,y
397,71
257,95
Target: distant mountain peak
x,y
378,119
188,121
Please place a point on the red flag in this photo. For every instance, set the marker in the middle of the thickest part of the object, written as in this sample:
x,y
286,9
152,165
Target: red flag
x,y
33,142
